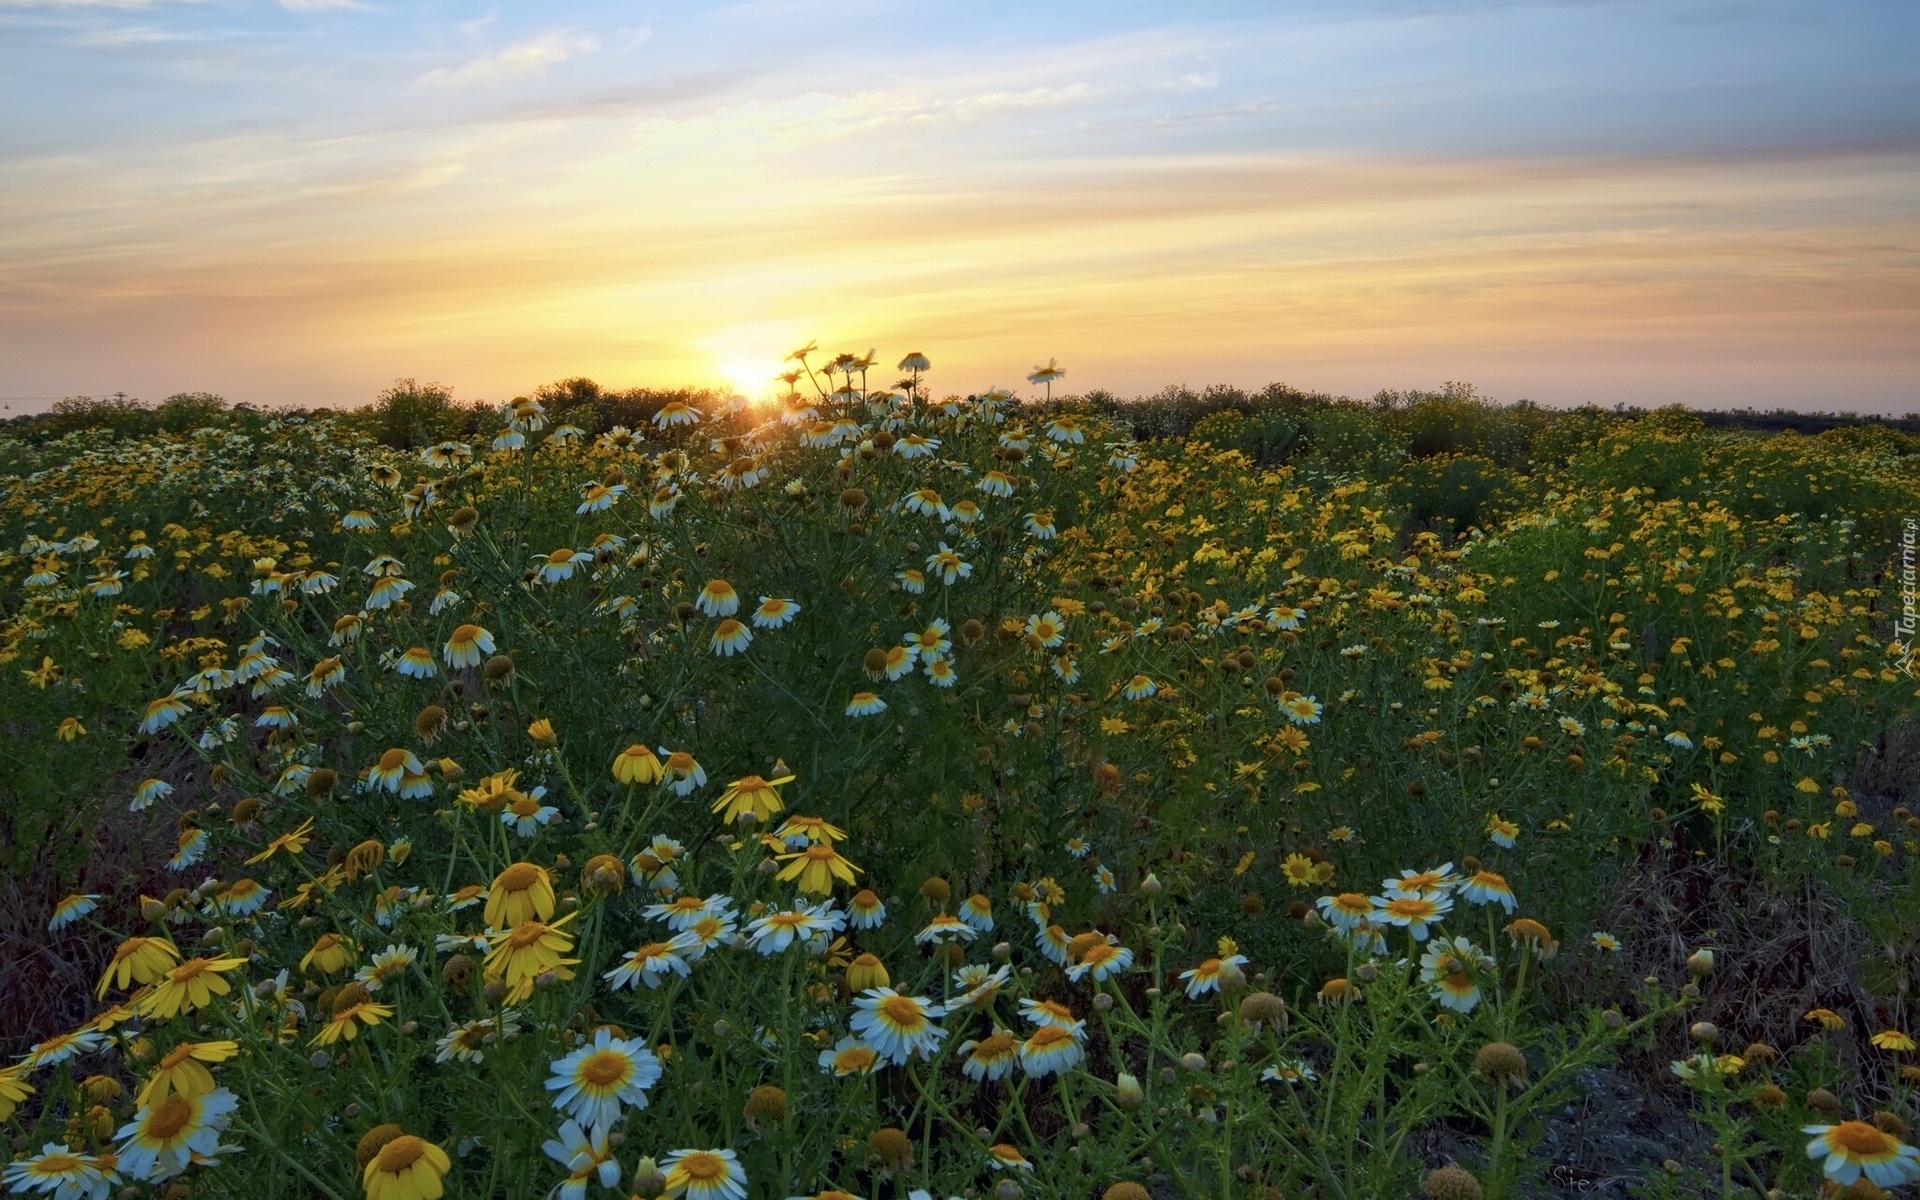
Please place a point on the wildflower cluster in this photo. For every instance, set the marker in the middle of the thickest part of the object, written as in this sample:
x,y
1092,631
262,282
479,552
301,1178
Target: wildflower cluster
x,y
876,793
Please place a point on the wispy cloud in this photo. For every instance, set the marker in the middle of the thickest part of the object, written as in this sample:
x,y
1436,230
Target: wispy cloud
x,y
520,61
89,3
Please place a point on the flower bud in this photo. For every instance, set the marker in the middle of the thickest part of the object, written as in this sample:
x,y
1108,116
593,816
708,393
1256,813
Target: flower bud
x,y
1151,885
648,1181
1700,963
1130,1093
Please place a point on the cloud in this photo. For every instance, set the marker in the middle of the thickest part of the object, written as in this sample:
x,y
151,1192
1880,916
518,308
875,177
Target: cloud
x,y
519,61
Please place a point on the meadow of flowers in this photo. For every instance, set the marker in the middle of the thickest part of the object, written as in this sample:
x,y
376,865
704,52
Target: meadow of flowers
x,y
874,795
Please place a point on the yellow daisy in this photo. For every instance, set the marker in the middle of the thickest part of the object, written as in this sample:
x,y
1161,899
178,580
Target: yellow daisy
x,y
522,892
180,1070
407,1168
191,985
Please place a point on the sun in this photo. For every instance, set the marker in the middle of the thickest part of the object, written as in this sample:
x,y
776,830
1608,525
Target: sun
x,y
748,358
754,380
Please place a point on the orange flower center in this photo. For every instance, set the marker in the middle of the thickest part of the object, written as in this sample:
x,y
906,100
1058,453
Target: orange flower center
x,y
176,1056
1858,1137
902,1011
1048,1036
465,635
526,934
393,760
703,1167
401,1153
175,1114
518,877
604,1068
820,854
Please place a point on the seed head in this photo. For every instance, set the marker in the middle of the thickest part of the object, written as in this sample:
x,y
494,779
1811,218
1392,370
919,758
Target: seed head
x,y
1500,1062
1450,1183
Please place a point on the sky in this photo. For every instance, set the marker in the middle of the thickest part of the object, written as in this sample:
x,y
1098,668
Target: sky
x,y
1714,202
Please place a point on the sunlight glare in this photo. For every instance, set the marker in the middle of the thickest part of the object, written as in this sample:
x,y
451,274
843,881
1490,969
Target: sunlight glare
x,y
749,357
